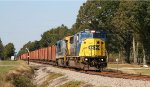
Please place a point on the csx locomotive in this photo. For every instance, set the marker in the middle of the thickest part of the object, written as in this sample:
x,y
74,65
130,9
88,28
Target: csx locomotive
x,y
85,50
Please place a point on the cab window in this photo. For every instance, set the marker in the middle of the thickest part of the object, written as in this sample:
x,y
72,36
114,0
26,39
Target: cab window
x,y
85,35
99,35
71,40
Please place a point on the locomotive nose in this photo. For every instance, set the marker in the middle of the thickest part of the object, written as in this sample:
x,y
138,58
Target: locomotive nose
x,y
92,47
98,48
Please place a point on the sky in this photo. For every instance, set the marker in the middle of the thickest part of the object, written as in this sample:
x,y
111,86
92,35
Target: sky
x,y
26,20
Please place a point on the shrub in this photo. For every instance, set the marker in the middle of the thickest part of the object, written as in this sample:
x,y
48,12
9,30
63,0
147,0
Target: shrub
x,y
22,81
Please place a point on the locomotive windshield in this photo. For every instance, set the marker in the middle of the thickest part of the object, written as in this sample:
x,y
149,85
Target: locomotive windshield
x,y
90,34
99,35
85,35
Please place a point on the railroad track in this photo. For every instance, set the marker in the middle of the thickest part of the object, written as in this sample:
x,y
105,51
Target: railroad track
x,y
121,75
107,73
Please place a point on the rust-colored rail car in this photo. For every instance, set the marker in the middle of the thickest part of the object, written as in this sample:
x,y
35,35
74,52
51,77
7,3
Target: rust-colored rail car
x,y
49,54
24,56
39,55
53,51
43,54
30,54
36,55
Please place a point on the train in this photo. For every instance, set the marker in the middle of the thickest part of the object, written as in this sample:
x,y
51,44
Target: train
x,y
84,50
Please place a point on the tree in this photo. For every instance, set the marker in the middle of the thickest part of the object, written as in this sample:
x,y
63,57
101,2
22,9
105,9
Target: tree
x,y
50,37
130,22
144,19
95,15
9,50
30,45
1,50
47,38
126,25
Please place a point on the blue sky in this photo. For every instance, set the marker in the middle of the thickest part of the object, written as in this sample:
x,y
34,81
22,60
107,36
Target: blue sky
x,y
25,20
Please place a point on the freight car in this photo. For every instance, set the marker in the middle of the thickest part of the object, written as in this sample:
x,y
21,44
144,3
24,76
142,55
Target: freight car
x,y
85,50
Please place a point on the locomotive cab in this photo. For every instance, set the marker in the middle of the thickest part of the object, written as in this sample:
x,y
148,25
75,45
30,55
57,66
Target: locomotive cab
x,y
86,48
92,48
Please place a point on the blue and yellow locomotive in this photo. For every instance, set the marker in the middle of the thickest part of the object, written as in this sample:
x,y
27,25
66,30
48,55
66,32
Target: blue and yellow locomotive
x,y
85,50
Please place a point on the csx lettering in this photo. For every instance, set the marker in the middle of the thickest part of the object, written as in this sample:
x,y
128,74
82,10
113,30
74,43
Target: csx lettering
x,y
94,47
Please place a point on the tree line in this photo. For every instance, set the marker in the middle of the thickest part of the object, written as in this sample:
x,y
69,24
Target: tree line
x,y
6,51
127,24
47,38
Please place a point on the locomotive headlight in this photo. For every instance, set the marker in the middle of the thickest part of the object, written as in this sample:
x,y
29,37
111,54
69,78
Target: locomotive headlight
x,y
92,31
101,59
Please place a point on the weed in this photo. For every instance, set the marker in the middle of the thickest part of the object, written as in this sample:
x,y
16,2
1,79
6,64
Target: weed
x,y
72,84
22,81
50,77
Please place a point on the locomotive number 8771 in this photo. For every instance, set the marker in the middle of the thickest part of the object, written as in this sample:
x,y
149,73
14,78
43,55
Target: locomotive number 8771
x,y
85,50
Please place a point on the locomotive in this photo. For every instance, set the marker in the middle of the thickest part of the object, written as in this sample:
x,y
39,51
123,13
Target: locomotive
x,y
84,50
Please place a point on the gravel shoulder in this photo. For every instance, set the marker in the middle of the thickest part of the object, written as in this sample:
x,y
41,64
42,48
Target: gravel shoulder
x,y
96,81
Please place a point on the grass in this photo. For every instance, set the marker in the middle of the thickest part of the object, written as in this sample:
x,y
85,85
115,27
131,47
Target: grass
x,y
130,68
9,62
6,66
22,81
142,71
11,71
72,84
6,69
50,77
123,66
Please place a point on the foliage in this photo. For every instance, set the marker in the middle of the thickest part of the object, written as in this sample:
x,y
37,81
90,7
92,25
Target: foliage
x,y
31,46
9,50
22,81
51,76
50,37
129,21
47,38
72,84
15,74
95,15
1,49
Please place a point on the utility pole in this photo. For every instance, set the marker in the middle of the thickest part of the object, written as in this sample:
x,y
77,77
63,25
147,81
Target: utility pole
x,y
28,55
117,63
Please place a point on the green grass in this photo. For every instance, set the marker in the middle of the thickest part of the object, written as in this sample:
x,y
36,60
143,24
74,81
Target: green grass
x,y
142,71
22,81
130,68
72,84
50,77
9,62
10,72
123,65
6,69
6,66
